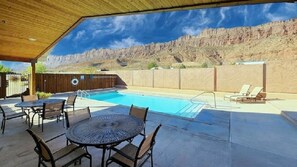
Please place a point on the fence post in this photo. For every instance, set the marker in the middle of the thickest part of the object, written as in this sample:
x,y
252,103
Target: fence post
x,y
215,78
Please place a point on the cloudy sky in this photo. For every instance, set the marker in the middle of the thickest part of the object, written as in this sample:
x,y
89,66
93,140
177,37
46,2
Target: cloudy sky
x,y
125,31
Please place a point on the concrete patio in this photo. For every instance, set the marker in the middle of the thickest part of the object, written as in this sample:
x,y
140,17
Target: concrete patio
x,y
235,134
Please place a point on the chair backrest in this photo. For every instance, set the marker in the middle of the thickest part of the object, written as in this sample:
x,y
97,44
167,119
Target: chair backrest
x,y
29,98
71,99
2,110
256,91
147,143
244,89
72,117
52,109
41,148
139,112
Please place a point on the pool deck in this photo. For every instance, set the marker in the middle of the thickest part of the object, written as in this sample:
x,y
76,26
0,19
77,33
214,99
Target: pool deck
x,y
234,134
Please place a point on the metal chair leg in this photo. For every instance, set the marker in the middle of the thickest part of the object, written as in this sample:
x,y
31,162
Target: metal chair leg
x,y
152,162
42,125
3,125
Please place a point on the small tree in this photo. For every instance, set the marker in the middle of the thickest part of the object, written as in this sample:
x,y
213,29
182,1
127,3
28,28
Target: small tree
x,y
4,69
152,65
40,68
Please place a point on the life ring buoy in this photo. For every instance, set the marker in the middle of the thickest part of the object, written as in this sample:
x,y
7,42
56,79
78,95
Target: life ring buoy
x,y
74,81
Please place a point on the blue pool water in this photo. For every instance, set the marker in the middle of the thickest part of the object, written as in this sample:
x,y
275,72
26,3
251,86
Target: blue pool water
x,y
167,105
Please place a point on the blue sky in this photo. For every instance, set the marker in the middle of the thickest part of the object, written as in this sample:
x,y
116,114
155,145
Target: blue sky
x,y
125,31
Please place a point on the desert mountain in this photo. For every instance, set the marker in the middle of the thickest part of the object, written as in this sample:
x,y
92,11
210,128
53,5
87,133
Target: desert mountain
x,y
271,41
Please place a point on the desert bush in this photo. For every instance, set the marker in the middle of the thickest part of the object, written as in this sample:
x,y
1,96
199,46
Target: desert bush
x,y
152,65
43,95
204,65
182,66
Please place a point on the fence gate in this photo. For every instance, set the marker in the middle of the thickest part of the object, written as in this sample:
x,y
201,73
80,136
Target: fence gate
x,y
15,84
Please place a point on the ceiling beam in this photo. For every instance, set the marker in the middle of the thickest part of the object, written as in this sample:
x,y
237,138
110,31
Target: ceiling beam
x,y
10,58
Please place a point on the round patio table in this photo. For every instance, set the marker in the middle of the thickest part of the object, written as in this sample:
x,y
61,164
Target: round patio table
x,y
37,103
105,130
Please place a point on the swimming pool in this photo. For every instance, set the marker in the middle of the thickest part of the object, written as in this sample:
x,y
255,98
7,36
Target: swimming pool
x,y
162,104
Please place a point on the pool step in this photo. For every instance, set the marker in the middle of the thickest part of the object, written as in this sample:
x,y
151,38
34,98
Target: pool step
x,y
191,110
291,116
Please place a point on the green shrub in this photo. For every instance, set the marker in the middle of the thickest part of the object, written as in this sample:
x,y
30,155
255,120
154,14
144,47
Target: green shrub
x,y
43,95
204,65
182,66
152,65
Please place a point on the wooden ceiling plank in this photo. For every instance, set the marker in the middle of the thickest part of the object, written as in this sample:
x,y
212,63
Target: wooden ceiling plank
x,y
118,8
25,20
3,34
33,32
69,6
147,4
93,7
39,15
98,6
21,41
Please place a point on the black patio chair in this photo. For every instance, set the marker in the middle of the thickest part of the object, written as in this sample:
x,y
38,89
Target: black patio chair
x,y
63,157
10,116
52,110
70,102
132,156
140,113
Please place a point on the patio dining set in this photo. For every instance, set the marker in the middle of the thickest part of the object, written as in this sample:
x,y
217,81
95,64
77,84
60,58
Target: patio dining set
x,y
105,132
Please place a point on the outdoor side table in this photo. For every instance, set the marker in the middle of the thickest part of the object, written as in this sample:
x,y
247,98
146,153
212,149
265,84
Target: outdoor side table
x,y
37,103
105,130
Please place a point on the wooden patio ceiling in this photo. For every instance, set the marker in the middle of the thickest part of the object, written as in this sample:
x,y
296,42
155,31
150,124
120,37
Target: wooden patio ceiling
x,y
29,28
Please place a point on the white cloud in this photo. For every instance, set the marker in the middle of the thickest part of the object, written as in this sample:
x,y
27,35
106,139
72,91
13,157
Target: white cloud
x,y
223,11
96,32
124,43
290,7
277,16
266,7
203,19
198,21
274,17
79,35
68,36
191,30
121,23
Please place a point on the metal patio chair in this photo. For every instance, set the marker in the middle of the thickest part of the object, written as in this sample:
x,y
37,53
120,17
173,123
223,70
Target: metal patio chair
x,y
64,157
132,156
139,113
70,102
10,116
52,110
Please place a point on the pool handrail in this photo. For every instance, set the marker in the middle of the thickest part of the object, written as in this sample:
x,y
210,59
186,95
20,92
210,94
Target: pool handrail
x,y
82,93
214,97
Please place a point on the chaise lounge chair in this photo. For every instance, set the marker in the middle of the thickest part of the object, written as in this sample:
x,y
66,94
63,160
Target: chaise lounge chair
x,y
252,96
243,92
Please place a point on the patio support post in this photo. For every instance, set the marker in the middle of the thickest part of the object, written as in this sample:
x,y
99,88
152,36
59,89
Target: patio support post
x,y
33,79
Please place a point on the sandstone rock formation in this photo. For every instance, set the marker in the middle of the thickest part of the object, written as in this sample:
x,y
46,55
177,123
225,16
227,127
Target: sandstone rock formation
x,y
272,41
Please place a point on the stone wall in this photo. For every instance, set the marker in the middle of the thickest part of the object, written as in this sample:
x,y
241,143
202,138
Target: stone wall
x,y
274,77
166,79
230,78
198,79
281,77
